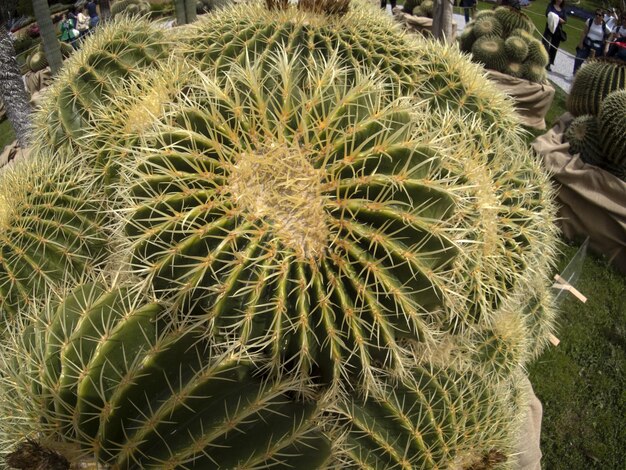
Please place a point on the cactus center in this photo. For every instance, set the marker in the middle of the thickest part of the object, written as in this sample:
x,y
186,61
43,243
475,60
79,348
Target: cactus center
x,y
278,184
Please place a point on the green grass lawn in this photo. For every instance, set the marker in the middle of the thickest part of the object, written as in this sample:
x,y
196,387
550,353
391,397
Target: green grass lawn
x,y
582,382
6,134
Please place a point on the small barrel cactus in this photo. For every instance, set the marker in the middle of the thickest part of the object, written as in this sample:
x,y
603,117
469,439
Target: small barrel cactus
x,y
612,121
52,230
490,51
583,135
486,26
593,83
511,19
37,61
130,8
516,48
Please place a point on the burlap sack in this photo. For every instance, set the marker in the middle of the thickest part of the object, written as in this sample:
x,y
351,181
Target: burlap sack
x,y
592,201
532,100
12,152
35,81
527,449
422,24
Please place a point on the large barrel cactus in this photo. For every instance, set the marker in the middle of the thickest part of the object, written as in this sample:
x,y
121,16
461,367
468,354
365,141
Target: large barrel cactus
x,y
593,83
320,265
51,230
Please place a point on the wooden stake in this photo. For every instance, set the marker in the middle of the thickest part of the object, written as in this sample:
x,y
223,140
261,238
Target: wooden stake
x,y
564,285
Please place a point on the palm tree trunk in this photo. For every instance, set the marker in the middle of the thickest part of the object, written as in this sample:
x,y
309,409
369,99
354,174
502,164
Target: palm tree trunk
x,y
48,35
181,13
190,11
12,89
442,20
105,10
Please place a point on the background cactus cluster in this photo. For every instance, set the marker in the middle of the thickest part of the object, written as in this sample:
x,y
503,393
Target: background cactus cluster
x,y
130,7
37,61
419,8
296,254
597,102
502,40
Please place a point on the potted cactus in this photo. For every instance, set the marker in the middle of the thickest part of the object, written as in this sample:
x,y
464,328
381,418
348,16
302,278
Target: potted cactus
x,y
318,262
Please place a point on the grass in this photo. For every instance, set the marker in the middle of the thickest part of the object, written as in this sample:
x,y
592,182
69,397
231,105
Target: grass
x,y
6,134
582,382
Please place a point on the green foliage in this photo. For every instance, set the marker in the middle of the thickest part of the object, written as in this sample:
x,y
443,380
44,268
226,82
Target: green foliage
x,y
593,83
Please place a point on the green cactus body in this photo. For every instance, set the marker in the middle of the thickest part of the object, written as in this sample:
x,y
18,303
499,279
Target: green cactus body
x,y
419,11
487,26
428,6
583,135
593,83
612,123
418,423
466,39
483,13
516,48
52,230
514,69
130,7
511,19
534,72
490,51
147,396
363,38
96,74
298,240
37,61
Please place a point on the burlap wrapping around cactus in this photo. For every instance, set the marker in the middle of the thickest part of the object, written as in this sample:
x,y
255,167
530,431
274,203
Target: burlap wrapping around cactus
x,y
532,100
423,24
592,201
36,81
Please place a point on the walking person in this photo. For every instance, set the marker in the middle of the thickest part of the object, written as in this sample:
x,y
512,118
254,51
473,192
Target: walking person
x,y
383,4
469,7
593,39
69,33
92,10
82,23
555,13
617,40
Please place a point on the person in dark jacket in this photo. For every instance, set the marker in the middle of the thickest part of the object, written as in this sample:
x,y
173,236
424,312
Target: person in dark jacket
x,y
551,40
92,10
469,6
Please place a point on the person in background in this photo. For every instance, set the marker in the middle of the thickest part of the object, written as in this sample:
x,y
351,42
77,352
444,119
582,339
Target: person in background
x,y
617,40
92,10
469,7
551,40
82,22
67,26
383,4
611,18
593,40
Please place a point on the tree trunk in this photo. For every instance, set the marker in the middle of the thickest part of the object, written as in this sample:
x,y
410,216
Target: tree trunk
x,y
190,11
442,20
105,10
48,35
181,13
12,89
